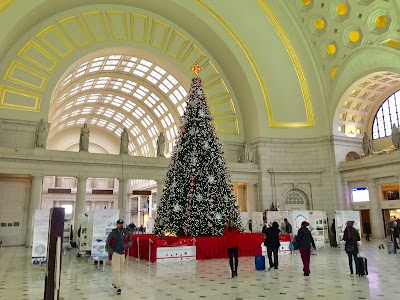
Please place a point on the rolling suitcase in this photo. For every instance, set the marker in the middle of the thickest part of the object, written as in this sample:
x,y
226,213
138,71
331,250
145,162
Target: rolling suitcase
x,y
362,266
260,263
390,246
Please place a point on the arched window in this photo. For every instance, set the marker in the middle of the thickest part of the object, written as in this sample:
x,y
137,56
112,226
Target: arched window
x,y
387,115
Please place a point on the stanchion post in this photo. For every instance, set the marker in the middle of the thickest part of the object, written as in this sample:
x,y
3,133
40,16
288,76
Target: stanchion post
x,y
138,248
150,241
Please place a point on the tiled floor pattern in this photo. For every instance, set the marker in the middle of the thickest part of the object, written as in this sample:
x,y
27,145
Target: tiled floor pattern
x,y
207,279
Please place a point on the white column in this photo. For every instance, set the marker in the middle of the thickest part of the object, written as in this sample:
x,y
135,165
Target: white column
x,y
151,206
160,188
250,197
34,204
80,204
138,212
345,204
92,206
123,205
143,201
377,225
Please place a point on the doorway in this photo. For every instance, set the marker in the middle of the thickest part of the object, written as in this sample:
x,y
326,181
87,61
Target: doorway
x,y
364,216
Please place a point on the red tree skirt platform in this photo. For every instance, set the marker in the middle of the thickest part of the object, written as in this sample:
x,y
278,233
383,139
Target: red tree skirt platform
x,y
206,247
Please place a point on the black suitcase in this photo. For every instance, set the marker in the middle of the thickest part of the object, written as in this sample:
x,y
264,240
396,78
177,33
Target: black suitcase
x,y
362,266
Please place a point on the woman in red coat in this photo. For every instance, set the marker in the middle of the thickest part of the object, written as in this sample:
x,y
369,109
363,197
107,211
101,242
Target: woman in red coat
x,y
231,234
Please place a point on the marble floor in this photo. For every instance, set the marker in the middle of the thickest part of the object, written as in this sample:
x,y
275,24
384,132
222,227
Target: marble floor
x,y
19,280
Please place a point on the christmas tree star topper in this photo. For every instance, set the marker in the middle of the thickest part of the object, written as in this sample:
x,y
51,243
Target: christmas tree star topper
x,y
196,68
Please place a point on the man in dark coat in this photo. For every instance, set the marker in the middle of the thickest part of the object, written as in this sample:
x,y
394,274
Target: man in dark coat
x,y
272,243
367,229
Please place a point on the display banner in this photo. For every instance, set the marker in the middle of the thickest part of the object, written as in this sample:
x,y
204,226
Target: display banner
x,y
298,216
174,254
104,221
257,220
274,216
341,218
316,220
244,216
84,237
40,236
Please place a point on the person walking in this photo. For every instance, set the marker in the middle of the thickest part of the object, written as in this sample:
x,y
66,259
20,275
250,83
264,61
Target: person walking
x,y
351,237
288,226
305,241
333,241
367,230
117,242
231,234
272,243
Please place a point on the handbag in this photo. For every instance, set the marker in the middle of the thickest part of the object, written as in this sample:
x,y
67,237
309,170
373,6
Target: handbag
x,y
294,245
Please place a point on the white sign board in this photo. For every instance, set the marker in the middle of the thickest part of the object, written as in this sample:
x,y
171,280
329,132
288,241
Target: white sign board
x,y
274,216
104,221
257,220
40,236
244,216
341,218
174,254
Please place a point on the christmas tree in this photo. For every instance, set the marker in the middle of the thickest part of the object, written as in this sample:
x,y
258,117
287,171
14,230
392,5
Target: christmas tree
x,y
197,199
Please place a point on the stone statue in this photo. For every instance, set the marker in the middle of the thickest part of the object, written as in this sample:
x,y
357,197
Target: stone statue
x,y
395,136
84,139
248,153
41,134
367,144
160,145
124,142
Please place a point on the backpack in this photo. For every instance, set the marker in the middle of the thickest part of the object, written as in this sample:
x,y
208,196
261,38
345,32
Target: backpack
x,y
288,228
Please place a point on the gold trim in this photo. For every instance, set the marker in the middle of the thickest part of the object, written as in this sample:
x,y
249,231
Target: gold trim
x,y
214,71
219,83
189,52
227,120
183,38
153,29
120,13
42,37
228,102
31,44
395,44
145,29
4,4
272,123
74,20
297,65
7,89
17,65
87,16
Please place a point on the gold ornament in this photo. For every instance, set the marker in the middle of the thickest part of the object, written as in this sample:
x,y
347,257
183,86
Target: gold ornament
x,y
196,68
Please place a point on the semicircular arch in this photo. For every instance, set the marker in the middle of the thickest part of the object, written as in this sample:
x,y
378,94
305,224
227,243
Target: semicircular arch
x,y
34,69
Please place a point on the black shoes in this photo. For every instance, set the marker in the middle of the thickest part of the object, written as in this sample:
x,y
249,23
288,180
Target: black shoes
x,y
306,274
236,273
119,292
113,286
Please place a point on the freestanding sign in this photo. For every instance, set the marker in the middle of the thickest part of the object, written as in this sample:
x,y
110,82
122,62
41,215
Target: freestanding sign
x,y
54,251
40,236
104,221
341,218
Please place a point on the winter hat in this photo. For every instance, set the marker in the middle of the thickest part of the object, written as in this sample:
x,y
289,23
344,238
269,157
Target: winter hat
x,y
350,223
304,224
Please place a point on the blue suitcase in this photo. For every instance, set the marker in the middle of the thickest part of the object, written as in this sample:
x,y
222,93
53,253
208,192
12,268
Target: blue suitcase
x,y
260,263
